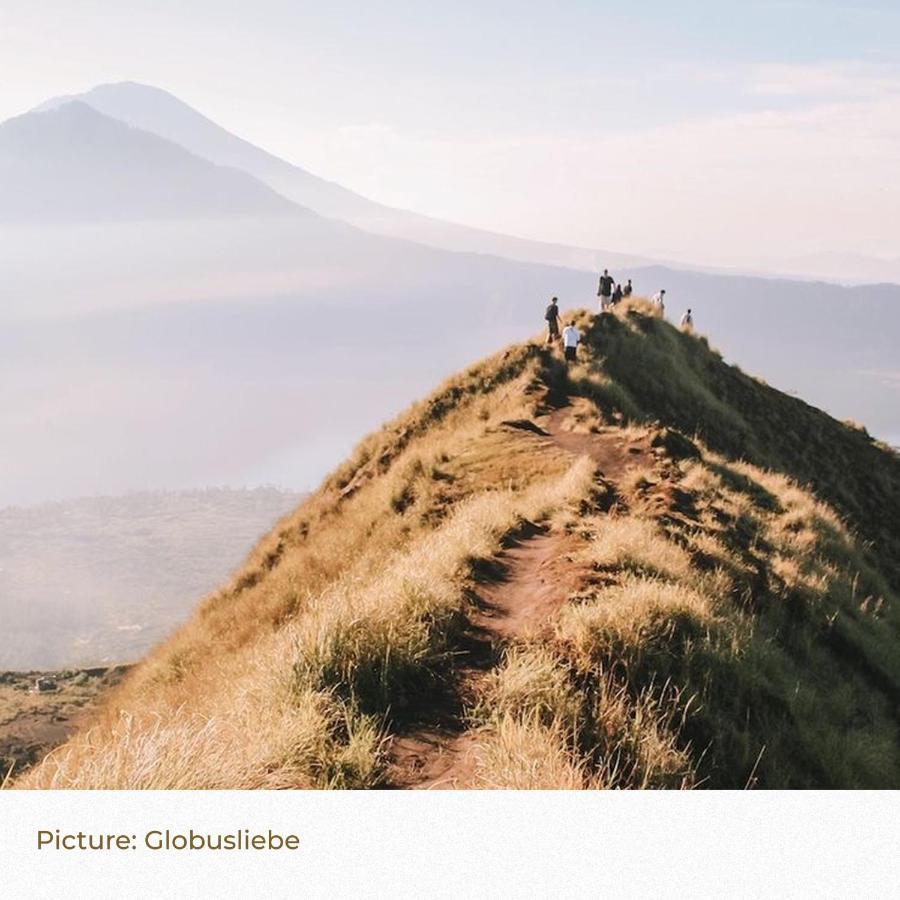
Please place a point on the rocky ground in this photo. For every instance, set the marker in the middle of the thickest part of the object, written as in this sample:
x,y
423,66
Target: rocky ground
x,y
38,710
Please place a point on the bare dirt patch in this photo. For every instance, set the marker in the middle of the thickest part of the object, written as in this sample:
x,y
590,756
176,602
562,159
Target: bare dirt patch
x,y
614,452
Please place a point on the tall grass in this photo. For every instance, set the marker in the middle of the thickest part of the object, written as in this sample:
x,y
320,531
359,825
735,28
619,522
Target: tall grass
x,y
306,705
729,627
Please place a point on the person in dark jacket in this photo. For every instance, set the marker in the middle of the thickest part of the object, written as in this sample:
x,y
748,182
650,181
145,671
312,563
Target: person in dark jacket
x,y
626,291
617,295
605,289
552,317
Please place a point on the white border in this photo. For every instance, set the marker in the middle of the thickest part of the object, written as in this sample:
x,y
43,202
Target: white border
x,y
465,844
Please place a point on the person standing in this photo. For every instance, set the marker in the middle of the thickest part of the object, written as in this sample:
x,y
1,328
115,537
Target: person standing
x,y
605,289
659,301
617,295
552,317
687,322
626,291
571,338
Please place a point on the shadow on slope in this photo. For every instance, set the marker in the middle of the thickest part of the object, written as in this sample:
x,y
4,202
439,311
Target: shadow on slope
x,y
660,374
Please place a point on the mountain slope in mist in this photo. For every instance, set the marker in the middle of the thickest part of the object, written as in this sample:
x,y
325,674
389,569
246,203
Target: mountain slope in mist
x,y
162,353
158,111
155,353
646,569
73,164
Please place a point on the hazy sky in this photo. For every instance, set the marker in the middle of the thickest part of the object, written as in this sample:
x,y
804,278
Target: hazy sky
x,y
715,132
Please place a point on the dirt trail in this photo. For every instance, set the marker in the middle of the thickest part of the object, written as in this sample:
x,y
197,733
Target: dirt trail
x,y
521,589
613,453
517,593
530,588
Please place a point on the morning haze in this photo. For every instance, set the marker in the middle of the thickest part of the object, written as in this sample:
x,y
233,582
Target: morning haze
x,y
182,306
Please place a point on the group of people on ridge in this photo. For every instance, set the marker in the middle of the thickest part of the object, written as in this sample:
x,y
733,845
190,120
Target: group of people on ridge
x,y
610,293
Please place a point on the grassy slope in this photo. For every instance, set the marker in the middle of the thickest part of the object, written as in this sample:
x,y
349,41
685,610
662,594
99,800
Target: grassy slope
x,y
665,375
735,621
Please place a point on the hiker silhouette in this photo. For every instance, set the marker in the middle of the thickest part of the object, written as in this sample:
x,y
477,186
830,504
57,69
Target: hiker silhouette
x,y
551,315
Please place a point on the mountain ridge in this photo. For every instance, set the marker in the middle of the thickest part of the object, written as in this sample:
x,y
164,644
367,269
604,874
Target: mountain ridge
x,y
73,163
646,569
272,279
158,111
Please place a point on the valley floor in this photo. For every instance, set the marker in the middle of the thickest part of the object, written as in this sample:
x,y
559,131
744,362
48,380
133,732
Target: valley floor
x,y
33,721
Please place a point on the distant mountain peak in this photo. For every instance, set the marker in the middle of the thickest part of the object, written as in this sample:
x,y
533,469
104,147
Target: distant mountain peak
x,y
161,112
131,89
68,161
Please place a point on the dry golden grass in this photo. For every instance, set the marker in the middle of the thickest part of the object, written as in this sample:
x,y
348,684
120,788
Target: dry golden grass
x,y
731,627
638,741
531,684
629,619
640,677
252,728
643,306
342,626
517,754
637,545
537,729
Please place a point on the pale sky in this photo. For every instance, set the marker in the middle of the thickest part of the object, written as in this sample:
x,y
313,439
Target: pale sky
x,y
711,132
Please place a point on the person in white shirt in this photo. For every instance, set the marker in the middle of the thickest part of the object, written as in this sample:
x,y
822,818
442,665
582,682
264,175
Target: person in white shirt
x,y
571,338
687,322
659,301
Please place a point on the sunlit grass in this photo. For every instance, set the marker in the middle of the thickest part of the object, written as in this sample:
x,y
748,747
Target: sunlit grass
x,y
728,626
